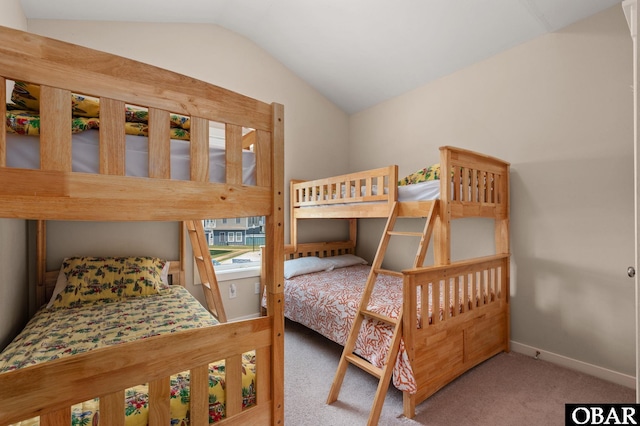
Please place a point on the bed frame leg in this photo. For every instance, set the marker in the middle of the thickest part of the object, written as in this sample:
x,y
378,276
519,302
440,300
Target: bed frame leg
x,y
409,405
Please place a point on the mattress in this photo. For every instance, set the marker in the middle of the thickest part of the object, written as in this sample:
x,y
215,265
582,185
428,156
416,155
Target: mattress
x,y
423,191
24,152
57,333
327,302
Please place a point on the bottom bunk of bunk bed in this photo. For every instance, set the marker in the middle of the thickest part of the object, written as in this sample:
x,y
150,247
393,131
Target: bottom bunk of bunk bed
x,y
455,316
159,355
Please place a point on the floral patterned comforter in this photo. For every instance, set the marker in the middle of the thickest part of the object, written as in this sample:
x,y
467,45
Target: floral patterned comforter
x,y
327,302
56,333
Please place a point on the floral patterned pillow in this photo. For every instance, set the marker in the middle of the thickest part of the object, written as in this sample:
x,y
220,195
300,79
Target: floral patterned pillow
x,y
108,279
27,96
139,115
422,175
27,123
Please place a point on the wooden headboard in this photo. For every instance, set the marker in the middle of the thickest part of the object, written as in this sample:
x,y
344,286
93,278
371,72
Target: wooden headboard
x,y
321,249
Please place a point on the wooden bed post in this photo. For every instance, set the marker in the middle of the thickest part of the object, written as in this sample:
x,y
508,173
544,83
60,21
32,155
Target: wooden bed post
x,y
183,254
442,234
41,261
502,222
353,231
274,267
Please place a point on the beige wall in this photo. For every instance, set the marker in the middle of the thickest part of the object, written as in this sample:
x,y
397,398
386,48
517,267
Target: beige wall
x,y
12,15
559,108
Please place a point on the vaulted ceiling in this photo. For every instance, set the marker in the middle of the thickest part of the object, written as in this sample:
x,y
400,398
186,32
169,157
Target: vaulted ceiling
x,y
356,52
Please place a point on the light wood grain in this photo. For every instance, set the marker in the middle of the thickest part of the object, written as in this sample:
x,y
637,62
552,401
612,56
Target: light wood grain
x,y
440,348
55,192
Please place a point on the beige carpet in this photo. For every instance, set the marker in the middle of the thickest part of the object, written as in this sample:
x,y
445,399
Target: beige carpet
x,y
508,389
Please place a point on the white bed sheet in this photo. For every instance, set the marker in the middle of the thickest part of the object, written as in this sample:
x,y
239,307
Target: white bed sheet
x,y
24,152
423,191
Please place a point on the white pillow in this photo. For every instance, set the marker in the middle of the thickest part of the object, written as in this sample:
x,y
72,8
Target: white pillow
x,y
344,260
305,265
164,275
61,283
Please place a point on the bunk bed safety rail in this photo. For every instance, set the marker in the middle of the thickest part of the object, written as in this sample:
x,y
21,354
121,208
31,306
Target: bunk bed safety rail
x,y
65,72
376,185
444,293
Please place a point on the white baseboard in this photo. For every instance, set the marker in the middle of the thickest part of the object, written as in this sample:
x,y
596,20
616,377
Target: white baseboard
x,y
244,317
574,364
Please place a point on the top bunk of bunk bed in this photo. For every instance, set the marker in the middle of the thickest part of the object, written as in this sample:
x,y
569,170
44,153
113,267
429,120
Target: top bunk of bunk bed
x,y
52,183
372,192
67,153
478,187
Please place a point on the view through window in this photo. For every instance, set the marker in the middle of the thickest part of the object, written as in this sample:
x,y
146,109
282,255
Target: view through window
x,y
235,242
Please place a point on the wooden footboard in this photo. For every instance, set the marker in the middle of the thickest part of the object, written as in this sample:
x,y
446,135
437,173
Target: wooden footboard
x,y
106,373
456,316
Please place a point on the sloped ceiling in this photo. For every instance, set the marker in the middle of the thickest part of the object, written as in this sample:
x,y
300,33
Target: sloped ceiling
x,y
356,52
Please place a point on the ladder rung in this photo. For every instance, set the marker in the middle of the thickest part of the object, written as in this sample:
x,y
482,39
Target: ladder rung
x,y
379,317
365,365
389,272
405,234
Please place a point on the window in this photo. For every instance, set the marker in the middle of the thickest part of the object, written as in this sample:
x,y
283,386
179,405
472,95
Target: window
x,y
235,242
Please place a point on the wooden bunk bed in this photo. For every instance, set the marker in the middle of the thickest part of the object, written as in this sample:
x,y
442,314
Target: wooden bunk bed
x,y
54,189
476,324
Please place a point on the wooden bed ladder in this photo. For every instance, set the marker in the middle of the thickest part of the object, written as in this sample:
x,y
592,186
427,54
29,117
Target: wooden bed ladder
x,y
202,256
348,356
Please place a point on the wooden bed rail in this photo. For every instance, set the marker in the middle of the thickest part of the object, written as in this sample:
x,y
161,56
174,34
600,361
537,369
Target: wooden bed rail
x,y
26,393
62,69
58,64
459,287
455,316
372,185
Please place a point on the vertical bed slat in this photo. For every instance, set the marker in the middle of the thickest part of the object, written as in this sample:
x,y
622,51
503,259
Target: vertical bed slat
x,y
233,389
57,417
233,140
435,302
262,146
159,144
199,394
159,398
112,409
55,129
113,144
199,149
263,376
446,309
